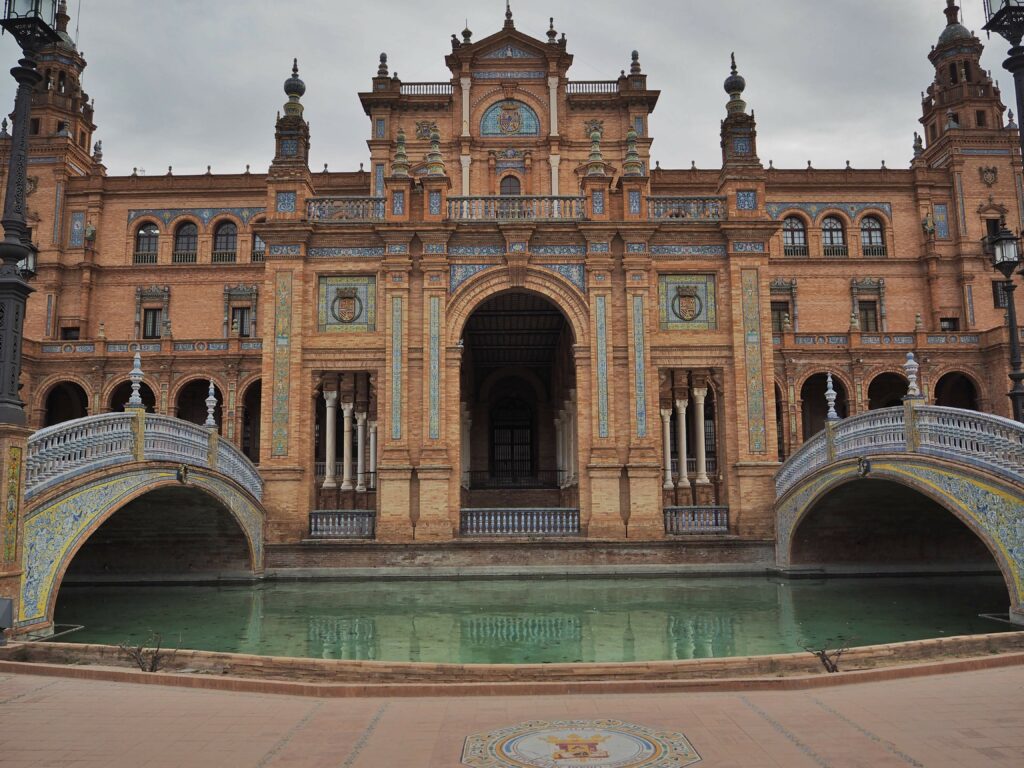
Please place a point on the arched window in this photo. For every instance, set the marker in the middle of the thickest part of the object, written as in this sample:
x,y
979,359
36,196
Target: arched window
x,y
833,237
510,186
872,238
259,248
186,243
225,242
794,237
510,118
146,239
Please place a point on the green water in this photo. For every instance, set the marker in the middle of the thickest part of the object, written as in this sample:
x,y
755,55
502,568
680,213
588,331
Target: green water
x,y
516,620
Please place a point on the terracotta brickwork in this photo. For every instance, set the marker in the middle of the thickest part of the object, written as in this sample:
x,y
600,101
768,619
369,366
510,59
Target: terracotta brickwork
x,y
509,220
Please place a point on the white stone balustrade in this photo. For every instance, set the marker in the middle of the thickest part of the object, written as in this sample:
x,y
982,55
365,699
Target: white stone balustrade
x,y
990,443
75,448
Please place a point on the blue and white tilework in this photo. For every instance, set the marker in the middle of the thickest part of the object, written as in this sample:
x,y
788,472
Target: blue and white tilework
x,y
598,202
331,253
434,202
286,202
398,203
205,215
748,247
460,273
347,304
286,250
687,302
435,368
397,354
289,147
602,367
688,250
574,273
634,202
77,237
814,210
640,366
746,200
559,250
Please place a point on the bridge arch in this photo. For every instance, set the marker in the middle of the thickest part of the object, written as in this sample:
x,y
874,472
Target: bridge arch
x,y
59,523
988,505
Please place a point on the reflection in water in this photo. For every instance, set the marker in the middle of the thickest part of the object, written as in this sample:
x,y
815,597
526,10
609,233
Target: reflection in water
x,y
535,621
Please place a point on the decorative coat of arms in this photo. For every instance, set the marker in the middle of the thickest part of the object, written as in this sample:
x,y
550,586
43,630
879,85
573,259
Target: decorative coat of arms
x,y
687,304
346,306
989,175
424,128
593,125
511,119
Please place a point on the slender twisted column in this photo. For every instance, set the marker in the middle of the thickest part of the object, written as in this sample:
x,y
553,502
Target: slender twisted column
x,y
361,452
346,447
666,438
373,454
699,393
681,440
573,437
331,435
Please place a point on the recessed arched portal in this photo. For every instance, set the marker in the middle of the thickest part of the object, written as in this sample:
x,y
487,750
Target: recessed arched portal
x,y
955,390
191,402
251,403
814,406
518,383
886,390
65,401
123,392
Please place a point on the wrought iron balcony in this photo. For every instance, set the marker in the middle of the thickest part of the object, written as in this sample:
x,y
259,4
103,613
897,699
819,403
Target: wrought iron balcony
x,y
795,250
184,257
520,522
223,257
835,251
874,251
345,209
519,208
686,208
144,257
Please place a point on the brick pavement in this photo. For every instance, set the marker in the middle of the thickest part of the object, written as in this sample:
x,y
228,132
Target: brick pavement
x,y
971,719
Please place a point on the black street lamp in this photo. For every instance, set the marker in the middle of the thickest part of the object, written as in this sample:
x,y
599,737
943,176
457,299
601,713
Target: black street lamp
x,y
31,22
1004,248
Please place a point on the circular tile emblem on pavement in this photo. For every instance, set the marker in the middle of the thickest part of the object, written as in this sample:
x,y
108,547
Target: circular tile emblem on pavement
x,y
578,744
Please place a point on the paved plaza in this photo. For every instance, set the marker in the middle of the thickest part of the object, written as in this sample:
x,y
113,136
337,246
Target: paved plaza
x,y
970,719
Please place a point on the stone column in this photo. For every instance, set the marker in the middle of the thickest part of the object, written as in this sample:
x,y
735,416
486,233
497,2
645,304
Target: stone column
x,y
555,160
666,435
699,393
465,437
331,439
466,161
559,458
553,103
466,83
572,449
346,455
681,440
361,452
373,454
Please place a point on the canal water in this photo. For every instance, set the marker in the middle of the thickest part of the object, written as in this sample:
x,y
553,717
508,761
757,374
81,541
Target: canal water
x,y
530,620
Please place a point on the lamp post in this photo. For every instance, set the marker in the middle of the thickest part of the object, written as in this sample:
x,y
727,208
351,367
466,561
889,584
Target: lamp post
x,y
31,22
1004,248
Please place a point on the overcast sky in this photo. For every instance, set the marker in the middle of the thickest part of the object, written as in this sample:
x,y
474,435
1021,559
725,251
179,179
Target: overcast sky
x,y
192,82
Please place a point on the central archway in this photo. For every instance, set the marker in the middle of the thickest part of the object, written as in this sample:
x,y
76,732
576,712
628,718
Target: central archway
x,y
518,394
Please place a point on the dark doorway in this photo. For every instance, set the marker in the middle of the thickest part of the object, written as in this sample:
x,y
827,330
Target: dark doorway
x,y
814,406
191,405
955,390
886,390
512,446
66,401
123,392
251,404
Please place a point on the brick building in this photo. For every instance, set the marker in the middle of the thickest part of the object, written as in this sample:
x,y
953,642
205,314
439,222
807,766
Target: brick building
x,y
511,309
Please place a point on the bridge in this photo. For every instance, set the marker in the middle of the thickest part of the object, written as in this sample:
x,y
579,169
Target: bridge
x,y
969,463
79,473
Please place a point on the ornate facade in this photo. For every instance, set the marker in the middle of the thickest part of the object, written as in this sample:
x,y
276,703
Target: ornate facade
x,y
511,323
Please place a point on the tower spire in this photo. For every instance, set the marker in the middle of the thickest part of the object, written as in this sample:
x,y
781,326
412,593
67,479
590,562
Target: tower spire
x,y
509,24
952,12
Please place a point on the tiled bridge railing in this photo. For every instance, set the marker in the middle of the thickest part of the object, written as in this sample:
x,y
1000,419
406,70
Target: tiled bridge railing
x,y
75,448
988,442
520,522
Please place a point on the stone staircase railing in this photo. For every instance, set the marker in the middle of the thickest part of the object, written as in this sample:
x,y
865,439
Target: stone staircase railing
x,y
62,452
991,443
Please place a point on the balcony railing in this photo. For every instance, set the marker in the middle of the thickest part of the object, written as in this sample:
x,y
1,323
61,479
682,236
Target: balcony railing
x,y
591,86
695,520
354,209
426,89
835,251
710,462
520,208
342,524
184,257
520,522
258,257
543,478
223,257
686,208
795,250
144,257
874,251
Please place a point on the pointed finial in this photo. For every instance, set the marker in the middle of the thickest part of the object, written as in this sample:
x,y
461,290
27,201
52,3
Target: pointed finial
x,y
595,163
848,166
467,34
508,15
634,67
732,56
952,13
135,401
400,165
211,404
632,165
552,34
382,70
294,89
435,160
735,84
911,367
830,398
